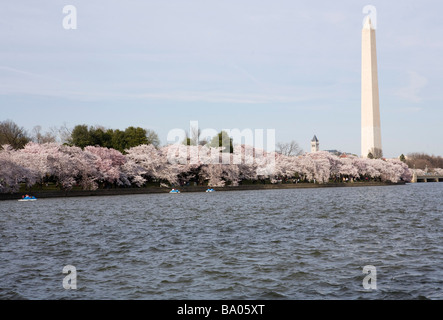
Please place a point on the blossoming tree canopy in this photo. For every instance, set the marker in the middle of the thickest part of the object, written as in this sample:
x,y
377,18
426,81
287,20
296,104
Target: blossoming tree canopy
x,y
97,167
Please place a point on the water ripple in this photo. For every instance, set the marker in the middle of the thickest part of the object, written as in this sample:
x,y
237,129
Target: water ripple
x,y
276,244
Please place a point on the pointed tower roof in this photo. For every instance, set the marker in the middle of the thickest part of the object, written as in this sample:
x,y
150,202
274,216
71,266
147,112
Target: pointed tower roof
x,y
368,24
314,139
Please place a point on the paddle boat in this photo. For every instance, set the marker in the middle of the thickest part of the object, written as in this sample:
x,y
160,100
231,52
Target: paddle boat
x,y
28,198
210,190
174,191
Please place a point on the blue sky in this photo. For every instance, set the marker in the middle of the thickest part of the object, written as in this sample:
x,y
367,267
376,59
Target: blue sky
x,y
286,65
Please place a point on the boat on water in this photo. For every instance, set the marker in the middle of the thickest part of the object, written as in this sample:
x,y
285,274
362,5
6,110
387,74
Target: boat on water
x,y
210,190
28,198
174,191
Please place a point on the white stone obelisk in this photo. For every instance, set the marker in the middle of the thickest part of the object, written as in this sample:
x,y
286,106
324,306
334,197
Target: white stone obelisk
x,y
370,105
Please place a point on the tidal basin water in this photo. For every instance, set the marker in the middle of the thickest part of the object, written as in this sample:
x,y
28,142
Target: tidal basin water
x,y
275,244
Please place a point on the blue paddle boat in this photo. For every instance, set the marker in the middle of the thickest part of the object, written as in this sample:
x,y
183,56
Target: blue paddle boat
x,y
28,198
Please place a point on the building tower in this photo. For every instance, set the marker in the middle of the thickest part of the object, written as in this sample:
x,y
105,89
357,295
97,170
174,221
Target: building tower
x,y
370,106
315,144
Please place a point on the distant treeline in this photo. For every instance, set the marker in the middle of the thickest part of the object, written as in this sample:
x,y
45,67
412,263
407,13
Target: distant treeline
x,y
422,161
80,136
83,136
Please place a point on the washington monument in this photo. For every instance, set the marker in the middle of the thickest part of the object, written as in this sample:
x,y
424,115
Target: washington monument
x,y
370,106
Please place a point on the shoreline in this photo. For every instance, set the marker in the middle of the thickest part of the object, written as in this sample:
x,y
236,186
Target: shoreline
x,y
150,190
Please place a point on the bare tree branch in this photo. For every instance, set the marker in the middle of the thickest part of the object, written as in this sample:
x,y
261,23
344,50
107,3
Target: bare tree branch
x,y
289,149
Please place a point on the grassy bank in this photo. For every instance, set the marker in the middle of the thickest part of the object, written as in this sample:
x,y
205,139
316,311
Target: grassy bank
x,y
53,193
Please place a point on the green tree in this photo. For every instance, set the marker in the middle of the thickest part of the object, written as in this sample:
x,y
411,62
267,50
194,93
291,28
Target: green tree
x,y
402,158
187,141
81,136
101,137
135,137
370,155
222,140
119,140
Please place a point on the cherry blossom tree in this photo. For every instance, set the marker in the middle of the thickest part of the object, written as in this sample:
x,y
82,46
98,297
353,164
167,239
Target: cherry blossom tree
x,y
399,171
176,164
13,174
155,164
84,169
109,163
133,173
243,156
348,168
147,157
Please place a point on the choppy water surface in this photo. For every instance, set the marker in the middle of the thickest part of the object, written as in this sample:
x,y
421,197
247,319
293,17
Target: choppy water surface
x,y
276,244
